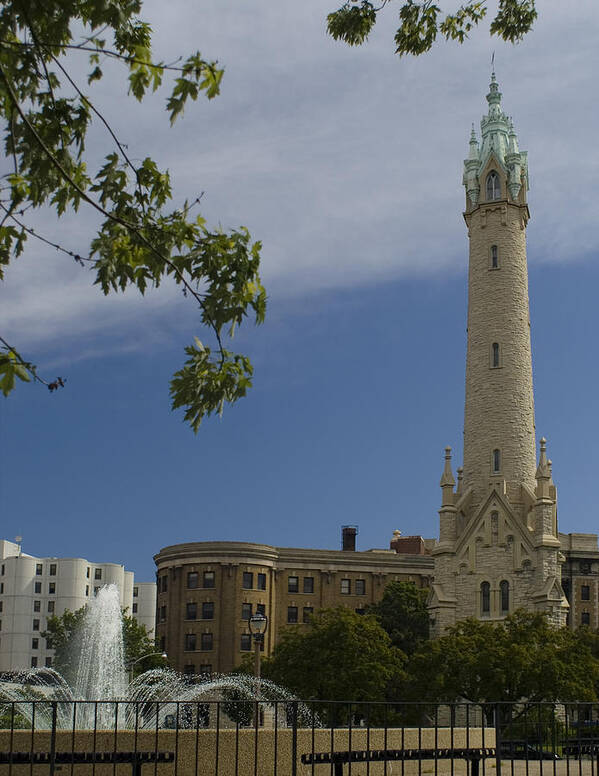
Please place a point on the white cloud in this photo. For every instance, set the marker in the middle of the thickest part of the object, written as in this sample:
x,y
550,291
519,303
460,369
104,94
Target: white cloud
x,y
346,163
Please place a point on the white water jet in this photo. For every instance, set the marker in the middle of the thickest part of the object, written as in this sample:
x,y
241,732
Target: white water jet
x,y
102,698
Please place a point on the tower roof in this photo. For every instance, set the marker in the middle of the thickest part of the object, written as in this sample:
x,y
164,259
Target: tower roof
x,y
498,138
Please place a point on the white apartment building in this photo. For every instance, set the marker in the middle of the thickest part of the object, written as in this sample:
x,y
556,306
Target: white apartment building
x,y
33,589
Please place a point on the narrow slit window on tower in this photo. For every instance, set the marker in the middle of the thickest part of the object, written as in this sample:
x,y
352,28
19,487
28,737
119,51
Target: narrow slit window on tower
x,y
496,460
494,257
493,186
504,588
485,598
495,355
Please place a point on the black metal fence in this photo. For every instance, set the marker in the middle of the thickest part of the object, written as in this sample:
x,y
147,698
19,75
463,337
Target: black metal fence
x,y
293,738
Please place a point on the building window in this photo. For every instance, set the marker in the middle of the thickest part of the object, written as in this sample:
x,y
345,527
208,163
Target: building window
x,y
208,580
345,586
1,587
51,605
496,460
189,669
36,625
208,610
261,608
485,598
39,569
495,363
191,611
163,587
585,592
493,186
585,567
162,616
37,587
97,573
3,569
35,643
246,642
292,584
494,257
135,592
2,606
134,609
51,588
193,580
504,589
308,584
190,642
248,580
360,587
87,590
261,582
48,662
53,569
585,618
206,641
205,668
292,614
246,611
87,572
307,612
34,662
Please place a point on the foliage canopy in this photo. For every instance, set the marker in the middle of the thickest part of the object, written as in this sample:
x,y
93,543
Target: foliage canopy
x,y
63,633
521,658
422,22
140,241
403,613
338,656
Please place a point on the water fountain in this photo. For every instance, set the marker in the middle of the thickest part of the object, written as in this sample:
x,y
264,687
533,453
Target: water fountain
x,y
102,697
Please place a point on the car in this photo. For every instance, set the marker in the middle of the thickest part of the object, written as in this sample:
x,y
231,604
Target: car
x,y
523,750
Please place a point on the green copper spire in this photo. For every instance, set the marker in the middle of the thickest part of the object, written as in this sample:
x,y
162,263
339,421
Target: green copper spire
x,y
498,138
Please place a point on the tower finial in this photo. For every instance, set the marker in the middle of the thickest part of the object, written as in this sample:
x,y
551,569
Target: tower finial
x,y
447,479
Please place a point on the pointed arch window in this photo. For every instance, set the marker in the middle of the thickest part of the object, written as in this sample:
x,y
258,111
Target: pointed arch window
x,y
504,589
496,461
493,186
485,598
494,257
495,362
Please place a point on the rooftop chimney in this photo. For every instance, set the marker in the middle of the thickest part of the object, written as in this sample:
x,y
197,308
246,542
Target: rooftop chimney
x,y
348,537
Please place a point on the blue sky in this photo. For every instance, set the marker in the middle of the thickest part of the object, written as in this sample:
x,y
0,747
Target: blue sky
x,y
347,164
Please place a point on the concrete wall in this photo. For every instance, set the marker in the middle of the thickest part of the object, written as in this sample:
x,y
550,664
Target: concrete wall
x,y
196,750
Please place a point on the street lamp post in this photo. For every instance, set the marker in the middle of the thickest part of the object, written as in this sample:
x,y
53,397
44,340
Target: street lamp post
x,y
163,655
257,624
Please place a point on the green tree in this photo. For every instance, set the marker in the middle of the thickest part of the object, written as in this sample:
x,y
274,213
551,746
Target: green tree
x,y
339,656
422,22
142,239
524,658
64,633
403,613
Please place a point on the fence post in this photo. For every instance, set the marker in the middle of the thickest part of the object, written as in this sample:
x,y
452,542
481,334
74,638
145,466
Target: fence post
x,y
498,739
53,738
294,738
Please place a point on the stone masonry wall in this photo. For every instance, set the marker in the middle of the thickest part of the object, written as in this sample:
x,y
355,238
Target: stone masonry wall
x,y
499,401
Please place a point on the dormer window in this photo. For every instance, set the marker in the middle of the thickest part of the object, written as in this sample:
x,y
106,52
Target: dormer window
x,y
493,186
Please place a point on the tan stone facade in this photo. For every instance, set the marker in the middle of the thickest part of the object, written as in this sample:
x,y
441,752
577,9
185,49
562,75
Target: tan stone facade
x,y
207,590
498,546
